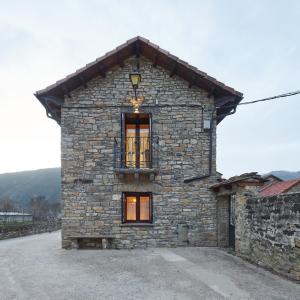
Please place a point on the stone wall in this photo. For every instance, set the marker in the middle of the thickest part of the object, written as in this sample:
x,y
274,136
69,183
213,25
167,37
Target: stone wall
x,y
16,230
91,191
268,232
295,189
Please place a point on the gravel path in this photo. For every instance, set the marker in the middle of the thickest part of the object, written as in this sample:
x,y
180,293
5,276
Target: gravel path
x,y
35,267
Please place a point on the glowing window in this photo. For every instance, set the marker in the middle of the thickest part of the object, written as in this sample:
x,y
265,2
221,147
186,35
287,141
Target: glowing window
x,y
137,208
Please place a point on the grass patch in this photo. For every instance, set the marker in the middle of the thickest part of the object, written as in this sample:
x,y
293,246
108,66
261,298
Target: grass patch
x,y
16,223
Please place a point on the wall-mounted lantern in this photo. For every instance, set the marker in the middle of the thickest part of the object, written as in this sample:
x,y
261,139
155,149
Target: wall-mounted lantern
x,y
135,79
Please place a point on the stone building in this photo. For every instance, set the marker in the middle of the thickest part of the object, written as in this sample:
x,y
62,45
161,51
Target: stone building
x,y
270,179
264,229
136,169
15,217
230,206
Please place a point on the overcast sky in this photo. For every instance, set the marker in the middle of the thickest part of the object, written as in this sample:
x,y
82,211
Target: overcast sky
x,y
252,46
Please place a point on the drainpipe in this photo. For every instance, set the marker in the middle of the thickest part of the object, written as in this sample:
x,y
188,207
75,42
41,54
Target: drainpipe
x,y
210,147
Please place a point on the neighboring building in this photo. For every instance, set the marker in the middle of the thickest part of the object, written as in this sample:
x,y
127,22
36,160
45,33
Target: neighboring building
x,y
138,179
219,176
264,230
14,217
231,200
281,187
270,179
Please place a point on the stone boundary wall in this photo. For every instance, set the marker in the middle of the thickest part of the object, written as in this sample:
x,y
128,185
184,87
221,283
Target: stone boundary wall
x,y
270,234
17,230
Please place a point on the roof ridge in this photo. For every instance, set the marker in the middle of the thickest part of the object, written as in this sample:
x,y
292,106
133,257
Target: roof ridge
x,y
123,45
150,51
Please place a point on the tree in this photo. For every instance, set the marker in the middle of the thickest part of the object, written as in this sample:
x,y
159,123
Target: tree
x,y
7,205
39,208
55,209
43,210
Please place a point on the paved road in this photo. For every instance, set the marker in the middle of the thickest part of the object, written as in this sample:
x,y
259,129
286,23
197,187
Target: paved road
x,y
35,267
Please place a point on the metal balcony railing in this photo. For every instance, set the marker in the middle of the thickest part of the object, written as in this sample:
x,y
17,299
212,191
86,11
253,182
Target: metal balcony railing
x,y
136,152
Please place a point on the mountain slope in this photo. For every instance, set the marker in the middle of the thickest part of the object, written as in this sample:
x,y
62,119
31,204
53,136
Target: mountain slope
x,y
286,175
22,186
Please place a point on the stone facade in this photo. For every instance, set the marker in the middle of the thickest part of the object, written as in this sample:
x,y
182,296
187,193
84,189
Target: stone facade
x,y
295,189
268,231
91,190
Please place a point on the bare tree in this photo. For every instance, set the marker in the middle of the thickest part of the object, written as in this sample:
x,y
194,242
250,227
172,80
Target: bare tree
x,y
43,210
7,204
55,210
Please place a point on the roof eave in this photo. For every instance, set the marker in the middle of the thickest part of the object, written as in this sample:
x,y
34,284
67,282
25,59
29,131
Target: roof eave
x,y
140,46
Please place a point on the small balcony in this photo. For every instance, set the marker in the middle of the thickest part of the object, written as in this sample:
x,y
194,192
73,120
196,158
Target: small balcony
x,y
136,155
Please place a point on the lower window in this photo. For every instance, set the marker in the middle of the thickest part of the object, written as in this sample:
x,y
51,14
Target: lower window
x,y
137,207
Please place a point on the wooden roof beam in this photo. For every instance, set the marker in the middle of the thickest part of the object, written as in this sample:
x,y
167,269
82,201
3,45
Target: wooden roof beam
x,y
193,81
211,92
137,49
66,91
101,70
83,81
155,59
120,61
224,100
173,69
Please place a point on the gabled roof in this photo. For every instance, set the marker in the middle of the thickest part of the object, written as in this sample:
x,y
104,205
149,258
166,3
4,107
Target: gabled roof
x,y
271,175
279,187
251,178
52,96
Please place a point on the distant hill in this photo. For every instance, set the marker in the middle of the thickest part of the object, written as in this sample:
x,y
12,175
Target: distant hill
x,y
22,186
286,175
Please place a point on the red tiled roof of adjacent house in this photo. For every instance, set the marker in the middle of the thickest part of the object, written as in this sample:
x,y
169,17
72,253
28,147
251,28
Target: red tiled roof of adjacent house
x,y
279,187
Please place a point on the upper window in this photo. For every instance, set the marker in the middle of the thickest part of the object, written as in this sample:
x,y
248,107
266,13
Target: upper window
x,y
137,208
137,141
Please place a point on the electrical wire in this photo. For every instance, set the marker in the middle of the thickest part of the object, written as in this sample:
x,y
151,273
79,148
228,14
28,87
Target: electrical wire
x,y
262,100
271,98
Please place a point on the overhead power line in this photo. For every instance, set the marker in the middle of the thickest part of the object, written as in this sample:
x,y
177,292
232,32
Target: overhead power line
x,y
271,98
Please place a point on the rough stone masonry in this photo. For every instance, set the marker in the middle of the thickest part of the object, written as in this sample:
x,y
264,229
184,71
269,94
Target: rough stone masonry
x,y
91,190
269,232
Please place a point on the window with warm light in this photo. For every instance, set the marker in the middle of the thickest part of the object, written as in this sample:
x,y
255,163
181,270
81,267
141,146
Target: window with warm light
x,y
137,207
136,132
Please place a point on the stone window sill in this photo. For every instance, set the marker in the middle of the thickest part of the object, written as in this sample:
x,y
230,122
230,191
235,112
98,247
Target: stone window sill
x,y
136,170
137,225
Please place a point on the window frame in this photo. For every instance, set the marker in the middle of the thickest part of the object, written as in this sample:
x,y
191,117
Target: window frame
x,y
125,116
137,195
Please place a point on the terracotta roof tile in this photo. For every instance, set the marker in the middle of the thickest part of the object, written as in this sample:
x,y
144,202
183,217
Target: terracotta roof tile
x,y
279,187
